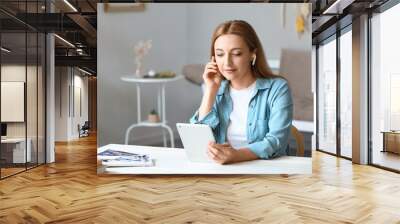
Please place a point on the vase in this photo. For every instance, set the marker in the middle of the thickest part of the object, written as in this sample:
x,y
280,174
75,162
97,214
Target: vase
x,y
154,118
138,72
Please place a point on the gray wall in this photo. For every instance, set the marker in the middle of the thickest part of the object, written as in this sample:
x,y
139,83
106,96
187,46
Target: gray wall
x,y
265,19
181,37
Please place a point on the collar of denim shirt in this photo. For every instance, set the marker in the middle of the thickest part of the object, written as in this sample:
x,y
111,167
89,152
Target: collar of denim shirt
x,y
261,83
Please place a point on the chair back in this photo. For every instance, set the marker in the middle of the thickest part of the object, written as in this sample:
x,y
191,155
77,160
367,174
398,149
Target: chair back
x,y
299,141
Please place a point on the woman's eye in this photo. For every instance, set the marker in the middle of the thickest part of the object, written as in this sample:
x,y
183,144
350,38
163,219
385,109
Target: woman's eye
x,y
234,54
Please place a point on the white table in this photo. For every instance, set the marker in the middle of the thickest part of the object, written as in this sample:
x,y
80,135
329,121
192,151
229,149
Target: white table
x,y
304,126
160,106
19,155
174,161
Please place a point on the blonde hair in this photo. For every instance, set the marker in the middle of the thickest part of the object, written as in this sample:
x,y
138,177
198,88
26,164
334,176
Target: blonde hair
x,y
246,31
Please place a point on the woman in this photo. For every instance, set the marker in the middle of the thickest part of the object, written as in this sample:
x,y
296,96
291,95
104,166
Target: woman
x,y
249,109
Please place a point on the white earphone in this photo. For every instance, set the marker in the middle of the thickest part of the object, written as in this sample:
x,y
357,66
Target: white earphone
x,y
254,61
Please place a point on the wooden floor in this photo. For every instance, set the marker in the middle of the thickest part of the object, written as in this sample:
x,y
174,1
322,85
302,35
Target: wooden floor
x,y
70,191
386,159
5,172
10,171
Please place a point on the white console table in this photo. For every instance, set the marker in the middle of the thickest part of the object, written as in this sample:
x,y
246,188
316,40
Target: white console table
x,y
18,150
160,106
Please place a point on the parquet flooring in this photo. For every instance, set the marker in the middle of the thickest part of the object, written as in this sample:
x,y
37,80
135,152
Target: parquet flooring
x,y
10,171
69,191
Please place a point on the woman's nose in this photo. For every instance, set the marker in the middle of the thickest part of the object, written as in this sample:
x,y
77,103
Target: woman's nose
x,y
228,60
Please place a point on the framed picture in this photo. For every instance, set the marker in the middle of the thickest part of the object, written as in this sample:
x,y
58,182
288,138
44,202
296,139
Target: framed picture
x,y
123,7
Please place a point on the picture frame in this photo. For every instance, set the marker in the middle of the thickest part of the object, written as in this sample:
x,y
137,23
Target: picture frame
x,y
124,7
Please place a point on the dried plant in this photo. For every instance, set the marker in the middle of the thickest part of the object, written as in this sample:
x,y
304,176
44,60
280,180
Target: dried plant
x,y
141,49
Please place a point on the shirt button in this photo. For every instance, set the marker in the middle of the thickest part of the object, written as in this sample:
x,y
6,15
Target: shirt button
x,y
249,124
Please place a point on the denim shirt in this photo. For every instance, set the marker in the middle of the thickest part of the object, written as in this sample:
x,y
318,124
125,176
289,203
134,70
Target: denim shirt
x,y
269,118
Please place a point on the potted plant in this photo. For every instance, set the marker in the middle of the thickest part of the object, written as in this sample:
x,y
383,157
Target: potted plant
x,y
153,116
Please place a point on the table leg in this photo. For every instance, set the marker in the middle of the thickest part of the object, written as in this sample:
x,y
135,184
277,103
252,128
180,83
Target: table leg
x,y
159,102
171,134
163,103
139,109
164,138
384,142
160,111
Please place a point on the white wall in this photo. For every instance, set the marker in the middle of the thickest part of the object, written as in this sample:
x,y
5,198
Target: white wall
x,y
61,103
66,121
181,37
79,117
33,125
15,72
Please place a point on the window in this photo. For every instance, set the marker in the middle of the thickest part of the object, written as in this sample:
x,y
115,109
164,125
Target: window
x,y
327,97
385,89
22,78
346,94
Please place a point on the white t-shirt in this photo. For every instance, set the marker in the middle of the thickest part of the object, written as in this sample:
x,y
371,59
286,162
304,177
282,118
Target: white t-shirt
x,y
237,128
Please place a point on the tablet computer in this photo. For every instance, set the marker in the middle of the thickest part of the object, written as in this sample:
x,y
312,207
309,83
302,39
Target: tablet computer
x,y
195,138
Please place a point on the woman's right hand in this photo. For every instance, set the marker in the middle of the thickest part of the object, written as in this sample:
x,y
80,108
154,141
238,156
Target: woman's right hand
x,y
211,76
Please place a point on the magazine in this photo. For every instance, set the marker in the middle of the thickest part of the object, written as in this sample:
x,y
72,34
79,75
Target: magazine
x,y
111,157
141,160
115,153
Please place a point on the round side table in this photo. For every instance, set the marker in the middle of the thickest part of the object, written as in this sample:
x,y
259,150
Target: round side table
x,y
160,106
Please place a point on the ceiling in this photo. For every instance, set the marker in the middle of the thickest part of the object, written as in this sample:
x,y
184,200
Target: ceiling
x,y
76,25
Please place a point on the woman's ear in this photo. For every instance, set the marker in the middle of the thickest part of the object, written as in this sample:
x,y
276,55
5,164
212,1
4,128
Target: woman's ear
x,y
255,53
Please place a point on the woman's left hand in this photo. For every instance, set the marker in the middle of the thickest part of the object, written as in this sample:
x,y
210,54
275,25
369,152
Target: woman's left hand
x,y
222,153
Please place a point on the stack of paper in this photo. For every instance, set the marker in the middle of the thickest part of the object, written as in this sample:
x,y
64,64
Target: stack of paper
x,y
120,158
